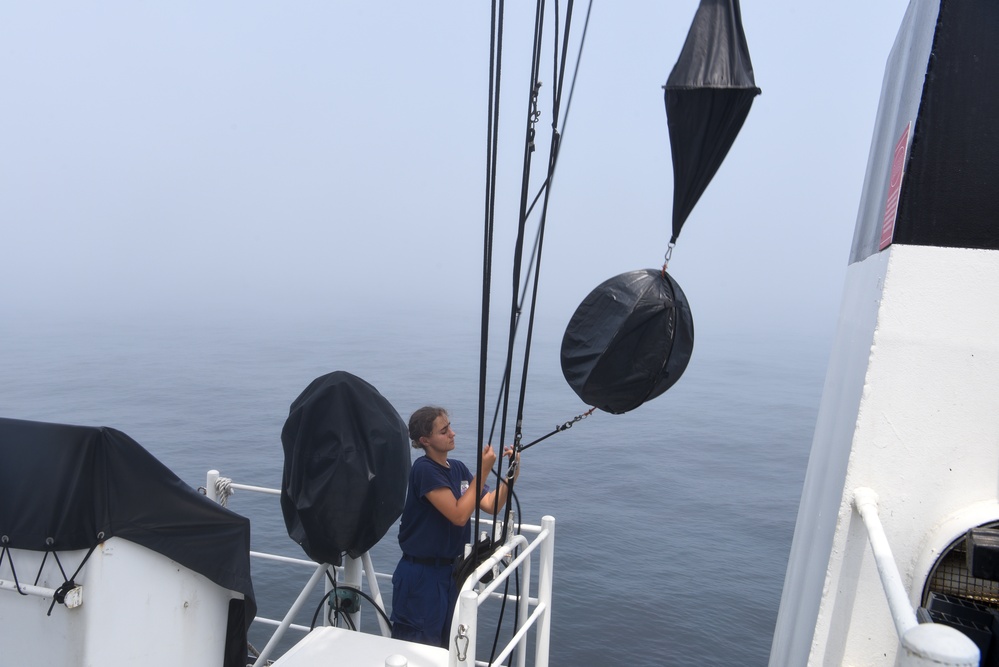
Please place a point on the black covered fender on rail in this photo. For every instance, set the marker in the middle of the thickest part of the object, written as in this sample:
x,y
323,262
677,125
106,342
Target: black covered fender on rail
x,y
346,467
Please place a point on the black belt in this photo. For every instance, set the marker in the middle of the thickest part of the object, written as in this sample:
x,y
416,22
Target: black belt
x,y
435,562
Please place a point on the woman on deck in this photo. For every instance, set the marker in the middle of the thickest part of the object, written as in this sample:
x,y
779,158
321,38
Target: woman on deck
x,y
435,528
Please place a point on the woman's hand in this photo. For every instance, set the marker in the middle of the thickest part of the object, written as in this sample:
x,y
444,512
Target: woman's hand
x,y
488,459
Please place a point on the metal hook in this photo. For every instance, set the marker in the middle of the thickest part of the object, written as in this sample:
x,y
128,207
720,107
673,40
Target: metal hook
x,y
666,258
511,471
461,638
535,111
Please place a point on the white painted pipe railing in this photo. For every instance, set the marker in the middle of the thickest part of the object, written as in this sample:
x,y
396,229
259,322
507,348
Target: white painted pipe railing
x,y
292,612
902,613
73,599
922,645
462,651
376,593
546,573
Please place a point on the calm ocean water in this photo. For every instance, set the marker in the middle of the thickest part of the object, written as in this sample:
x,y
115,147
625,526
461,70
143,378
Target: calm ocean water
x,y
674,521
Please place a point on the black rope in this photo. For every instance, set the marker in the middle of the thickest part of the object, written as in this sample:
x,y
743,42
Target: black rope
x,y
492,131
537,197
518,254
339,612
55,554
568,107
518,295
559,67
38,576
549,178
513,499
5,551
70,583
502,612
558,429
322,601
534,265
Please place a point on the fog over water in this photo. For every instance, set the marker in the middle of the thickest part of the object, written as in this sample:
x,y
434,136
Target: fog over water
x,y
192,160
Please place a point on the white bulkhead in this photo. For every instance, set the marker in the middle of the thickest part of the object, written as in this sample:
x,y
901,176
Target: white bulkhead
x,y
138,608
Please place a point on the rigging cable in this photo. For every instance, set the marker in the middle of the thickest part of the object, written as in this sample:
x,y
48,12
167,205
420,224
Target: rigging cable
x,y
534,263
518,252
518,255
492,131
559,66
537,197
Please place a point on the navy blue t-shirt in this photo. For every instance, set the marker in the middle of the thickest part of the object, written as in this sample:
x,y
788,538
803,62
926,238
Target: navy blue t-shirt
x,y
424,532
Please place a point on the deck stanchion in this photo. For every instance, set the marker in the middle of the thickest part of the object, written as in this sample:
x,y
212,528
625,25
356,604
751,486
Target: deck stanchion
x,y
376,592
211,490
545,571
523,609
462,651
292,612
352,577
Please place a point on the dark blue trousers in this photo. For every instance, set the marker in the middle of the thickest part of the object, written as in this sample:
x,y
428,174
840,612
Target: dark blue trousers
x,y
423,598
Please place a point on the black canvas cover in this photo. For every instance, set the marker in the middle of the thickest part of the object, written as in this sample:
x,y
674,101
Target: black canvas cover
x,y
346,467
628,341
708,96
64,488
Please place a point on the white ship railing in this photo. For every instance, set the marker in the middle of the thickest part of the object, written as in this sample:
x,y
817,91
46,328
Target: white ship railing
x,y
922,644
465,623
464,628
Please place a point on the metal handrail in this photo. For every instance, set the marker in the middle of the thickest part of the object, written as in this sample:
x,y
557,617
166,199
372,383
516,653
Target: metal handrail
x,y
924,643
292,612
283,625
543,537
465,623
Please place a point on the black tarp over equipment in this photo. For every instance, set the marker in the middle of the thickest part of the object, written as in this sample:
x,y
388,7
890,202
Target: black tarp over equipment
x,y
346,467
628,341
632,337
68,488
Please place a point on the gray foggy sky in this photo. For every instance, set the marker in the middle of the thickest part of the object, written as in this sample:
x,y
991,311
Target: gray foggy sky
x,y
329,156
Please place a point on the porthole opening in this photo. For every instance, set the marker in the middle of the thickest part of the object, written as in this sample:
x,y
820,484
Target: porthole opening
x,y
955,597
